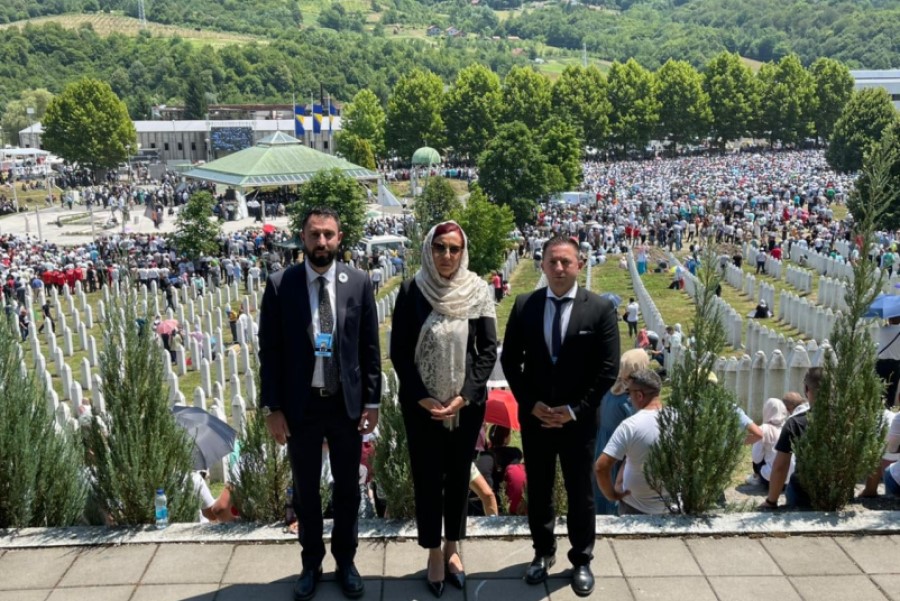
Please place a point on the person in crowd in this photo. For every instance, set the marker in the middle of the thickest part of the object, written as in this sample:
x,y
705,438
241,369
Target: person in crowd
x,y
762,310
887,363
444,347
631,443
48,316
632,311
24,322
794,402
560,356
309,396
376,279
497,283
479,485
615,407
793,429
762,452
508,470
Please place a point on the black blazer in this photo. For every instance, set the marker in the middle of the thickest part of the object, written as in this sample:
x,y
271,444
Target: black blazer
x,y
286,345
588,361
410,312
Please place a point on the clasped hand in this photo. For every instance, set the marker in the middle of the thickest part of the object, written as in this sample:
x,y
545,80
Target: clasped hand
x,y
440,411
551,417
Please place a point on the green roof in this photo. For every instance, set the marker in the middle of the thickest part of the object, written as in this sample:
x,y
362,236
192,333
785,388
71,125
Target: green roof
x,y
277,160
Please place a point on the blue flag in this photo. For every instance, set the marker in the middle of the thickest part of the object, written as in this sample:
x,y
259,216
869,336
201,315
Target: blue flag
x,y
299,111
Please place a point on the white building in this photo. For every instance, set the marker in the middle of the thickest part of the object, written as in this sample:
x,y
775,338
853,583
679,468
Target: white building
x,y
192,141
889,79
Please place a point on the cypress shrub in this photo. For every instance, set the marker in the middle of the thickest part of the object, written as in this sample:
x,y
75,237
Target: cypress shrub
x,y
700,438
262,475
136,447
845,436
393,473
42,481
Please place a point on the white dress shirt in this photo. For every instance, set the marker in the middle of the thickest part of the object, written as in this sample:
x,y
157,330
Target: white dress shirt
x,y
312,283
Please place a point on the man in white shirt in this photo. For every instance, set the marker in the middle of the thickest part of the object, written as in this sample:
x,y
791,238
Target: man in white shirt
x,y
631,317
631,442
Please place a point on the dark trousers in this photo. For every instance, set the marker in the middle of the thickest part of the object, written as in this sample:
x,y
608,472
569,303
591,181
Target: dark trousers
x,y
441,462
889,371
574,445
326,419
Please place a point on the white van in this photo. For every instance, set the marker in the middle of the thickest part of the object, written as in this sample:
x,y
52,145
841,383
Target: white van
x,y
378,244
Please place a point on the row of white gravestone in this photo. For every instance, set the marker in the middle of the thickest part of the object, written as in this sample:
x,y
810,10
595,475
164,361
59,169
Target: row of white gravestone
x,y
810,319
821,263
731,320
753,379
799,279
747,283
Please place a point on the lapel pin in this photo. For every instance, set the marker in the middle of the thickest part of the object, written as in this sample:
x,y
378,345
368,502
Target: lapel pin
x,y
342,278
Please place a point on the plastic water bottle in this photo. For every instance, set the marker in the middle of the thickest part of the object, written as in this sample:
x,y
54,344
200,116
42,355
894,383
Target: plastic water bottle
x,y
162,509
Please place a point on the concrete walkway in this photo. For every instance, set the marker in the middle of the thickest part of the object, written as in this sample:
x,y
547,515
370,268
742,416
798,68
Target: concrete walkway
x,y
816,568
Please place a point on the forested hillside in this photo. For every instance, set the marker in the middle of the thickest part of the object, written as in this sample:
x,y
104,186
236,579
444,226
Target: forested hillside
x,y
860,33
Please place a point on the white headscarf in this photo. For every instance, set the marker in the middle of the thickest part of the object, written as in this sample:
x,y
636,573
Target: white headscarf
x,y
441,348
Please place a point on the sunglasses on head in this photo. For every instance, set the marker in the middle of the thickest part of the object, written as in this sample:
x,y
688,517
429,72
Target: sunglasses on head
x,y
442,249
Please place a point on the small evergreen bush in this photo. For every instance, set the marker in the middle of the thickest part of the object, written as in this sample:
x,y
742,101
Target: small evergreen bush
x,y
41,465
700,437
136,447
393,473
845,436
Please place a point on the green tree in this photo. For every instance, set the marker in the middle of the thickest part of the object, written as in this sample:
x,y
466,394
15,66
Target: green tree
x,y
89,125
562,149
526,97
487,228
684,113
580,98
864,196
860,126
845,437
135,446
196,229
834,86
196,105
365,119
356,150
41,466
263,473
437,202
471,109
332,188
392,467
732,100
15,115
512,170
700,437
635,109
787,101
414,114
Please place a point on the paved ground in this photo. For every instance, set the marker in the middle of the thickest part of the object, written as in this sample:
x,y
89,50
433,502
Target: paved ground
x,y
823,568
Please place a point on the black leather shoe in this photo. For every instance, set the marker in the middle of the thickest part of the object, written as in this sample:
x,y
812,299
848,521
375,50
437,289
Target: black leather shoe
x,y
351,582
305,587
436,588
537,571
582,581
458,580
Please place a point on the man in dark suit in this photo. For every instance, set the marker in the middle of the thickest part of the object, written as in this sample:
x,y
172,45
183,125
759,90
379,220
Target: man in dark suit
x,y
560,356
320,368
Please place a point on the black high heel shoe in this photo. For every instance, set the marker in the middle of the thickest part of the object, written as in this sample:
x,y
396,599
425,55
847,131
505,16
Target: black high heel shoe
x,y
436,588
458,580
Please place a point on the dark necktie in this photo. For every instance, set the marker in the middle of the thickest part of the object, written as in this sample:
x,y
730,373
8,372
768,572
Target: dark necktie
x,y
556,328
330,365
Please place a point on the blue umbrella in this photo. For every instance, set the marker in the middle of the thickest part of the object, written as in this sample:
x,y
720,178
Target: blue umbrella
x,y
615,299
885,306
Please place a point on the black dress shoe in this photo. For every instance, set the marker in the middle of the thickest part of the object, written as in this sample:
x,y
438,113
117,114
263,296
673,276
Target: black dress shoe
x,y
582,581
537,571
458,580
305,587
351,582
436,588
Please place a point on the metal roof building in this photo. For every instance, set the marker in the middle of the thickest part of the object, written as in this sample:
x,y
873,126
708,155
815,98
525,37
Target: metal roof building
x,y
889,79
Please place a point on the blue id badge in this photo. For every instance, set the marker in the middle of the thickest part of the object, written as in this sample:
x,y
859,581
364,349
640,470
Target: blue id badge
x,y
323,345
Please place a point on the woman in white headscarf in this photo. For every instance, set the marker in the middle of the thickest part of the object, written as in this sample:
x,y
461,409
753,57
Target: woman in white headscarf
x,y
763,451
443,347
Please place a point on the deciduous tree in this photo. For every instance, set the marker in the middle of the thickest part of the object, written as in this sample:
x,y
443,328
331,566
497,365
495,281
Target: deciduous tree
x,y
562,148
332,188
89,125
684,113
729,84
526,97
364,118
487,228
196,229
635,109
787,101
580,98
860,126
16,117
834,86
471,110
437,202
414,114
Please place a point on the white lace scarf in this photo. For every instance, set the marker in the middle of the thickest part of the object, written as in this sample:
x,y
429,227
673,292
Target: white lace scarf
x,y
441,347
